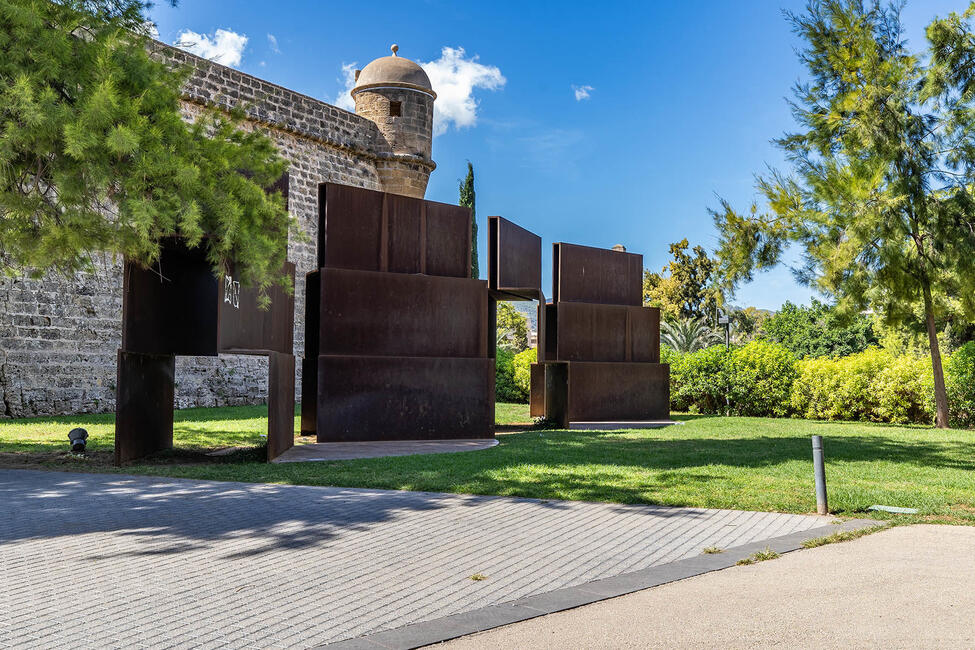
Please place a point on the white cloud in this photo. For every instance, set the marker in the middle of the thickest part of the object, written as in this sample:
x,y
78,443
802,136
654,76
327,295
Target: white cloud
x,y
344,99
455,77
582,92
273,42
224,46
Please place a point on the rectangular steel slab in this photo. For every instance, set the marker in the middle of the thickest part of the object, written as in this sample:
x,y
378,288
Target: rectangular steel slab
x,y
588,332
514,260
367,230
596,275
404,398
144,404
245,328
618,391
396,314
172,307
179,307
280,404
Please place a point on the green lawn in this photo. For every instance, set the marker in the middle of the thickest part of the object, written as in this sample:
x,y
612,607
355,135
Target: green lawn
x,y
746,463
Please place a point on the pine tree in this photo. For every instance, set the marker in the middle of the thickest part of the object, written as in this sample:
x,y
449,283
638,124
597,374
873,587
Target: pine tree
x,y
95,156
467,200
879,200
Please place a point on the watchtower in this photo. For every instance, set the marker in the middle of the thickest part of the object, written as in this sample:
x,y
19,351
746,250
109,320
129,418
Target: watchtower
x,y
396,94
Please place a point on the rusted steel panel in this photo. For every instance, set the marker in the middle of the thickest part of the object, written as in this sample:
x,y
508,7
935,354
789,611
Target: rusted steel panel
x,y
309,396
280,404
172,307
371,231
247,329
514,259
557,404
448,240
551,329
589,332
396,314
404,398
618,391
349,227
596,275
540,324
144,394
644,334
404,234
313,308
537,390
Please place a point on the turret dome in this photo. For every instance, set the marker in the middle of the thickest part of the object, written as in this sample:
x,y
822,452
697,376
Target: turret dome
x,y
393,71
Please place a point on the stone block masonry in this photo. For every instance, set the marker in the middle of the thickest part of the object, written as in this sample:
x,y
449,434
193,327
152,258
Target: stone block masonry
x,y
58,337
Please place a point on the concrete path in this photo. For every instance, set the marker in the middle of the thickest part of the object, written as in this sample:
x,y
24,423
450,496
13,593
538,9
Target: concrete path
x,y
111,561
911,587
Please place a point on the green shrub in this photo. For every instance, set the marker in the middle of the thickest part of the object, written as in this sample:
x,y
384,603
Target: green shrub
x,y
960,380
505,388
871,385
760,376
698,381
522,365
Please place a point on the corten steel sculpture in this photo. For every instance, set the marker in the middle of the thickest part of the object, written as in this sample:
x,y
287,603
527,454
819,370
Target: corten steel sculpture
x,y
396,331
514,273
602,347
179,307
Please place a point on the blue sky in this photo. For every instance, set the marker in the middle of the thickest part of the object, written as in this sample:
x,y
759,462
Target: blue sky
x,y
683,99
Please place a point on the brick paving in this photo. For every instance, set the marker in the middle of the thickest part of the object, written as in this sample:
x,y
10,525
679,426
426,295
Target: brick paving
x,y
109,561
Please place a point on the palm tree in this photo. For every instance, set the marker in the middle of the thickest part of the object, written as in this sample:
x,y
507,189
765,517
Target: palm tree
x,y
688,335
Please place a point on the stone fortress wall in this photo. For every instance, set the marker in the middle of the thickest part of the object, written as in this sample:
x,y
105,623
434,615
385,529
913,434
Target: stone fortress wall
x,y
58,337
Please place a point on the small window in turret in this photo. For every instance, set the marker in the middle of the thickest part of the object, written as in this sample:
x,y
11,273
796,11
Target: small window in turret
x,y
395,109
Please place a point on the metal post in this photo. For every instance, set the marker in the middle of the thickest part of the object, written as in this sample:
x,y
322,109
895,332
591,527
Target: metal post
x,y
819,469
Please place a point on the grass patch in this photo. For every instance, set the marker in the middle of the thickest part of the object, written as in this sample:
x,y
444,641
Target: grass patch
x,y
509,414
711,550
758,556
843,536
477,577
709,462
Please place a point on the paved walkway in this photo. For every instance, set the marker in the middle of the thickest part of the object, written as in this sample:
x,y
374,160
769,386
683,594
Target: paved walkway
x,y
906,587
99,560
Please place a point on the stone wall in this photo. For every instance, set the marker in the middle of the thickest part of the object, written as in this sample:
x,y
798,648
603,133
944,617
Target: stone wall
x,y
58,338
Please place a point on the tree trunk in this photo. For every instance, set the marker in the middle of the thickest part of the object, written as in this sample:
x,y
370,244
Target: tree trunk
x,y
940,394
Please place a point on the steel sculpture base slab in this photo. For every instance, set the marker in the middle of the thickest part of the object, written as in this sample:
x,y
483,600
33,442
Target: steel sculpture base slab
x,y
144,404
620,425
280,404
325,451
404,398
618,391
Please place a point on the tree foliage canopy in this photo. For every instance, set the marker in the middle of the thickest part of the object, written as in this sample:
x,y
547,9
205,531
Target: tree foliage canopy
x,y
684,288
818,330
879,200
689,335
512,328
96,157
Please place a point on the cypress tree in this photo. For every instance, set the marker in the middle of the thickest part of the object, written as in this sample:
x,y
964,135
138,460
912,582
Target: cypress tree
x,y
467,200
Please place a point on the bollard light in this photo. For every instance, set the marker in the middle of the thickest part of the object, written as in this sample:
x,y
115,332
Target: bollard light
x,y
78,438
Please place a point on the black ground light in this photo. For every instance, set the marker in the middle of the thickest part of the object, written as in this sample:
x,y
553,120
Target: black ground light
x,y
78,438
